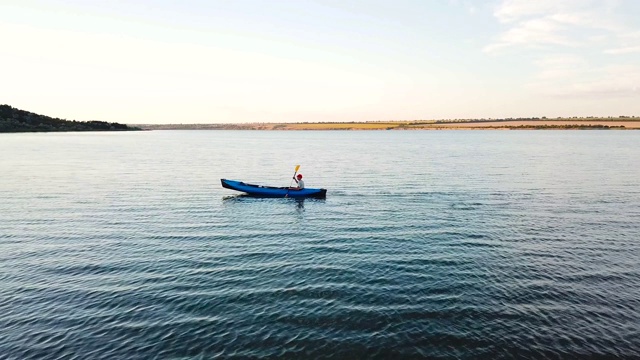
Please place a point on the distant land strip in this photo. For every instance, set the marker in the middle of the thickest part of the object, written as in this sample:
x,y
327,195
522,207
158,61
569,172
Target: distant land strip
x,y
569,123
16,120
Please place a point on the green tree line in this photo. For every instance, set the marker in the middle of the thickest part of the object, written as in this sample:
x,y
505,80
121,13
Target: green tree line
x,y
16,120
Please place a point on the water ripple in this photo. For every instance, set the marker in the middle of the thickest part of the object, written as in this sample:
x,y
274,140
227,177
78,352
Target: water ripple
x,y
126,247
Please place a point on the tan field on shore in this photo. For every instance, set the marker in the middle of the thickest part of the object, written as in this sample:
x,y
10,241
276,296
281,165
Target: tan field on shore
x,y
622,123
538,123
458,125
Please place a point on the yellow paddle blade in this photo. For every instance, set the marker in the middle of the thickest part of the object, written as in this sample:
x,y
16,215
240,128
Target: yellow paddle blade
x,y
297,167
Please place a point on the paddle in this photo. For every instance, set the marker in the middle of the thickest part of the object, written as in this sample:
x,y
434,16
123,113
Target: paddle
x,y
295,172
291,183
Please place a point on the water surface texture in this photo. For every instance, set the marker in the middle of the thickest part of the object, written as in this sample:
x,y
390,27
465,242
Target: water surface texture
x,y
453,244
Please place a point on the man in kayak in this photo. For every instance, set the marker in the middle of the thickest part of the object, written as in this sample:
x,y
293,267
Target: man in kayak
x,y
299,181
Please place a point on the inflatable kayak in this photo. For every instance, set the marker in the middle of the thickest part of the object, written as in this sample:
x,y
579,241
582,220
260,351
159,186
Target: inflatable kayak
x,y
271,191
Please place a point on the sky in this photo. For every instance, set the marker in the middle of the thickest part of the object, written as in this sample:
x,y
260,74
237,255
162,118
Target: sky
x,y
238,61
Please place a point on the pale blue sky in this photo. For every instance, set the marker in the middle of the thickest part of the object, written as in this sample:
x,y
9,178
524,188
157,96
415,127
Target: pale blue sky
x,y
323,60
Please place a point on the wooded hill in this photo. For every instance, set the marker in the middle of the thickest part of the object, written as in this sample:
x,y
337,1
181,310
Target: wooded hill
x,y
16,120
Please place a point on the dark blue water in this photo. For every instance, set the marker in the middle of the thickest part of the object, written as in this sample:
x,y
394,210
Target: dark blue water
x,y
455,244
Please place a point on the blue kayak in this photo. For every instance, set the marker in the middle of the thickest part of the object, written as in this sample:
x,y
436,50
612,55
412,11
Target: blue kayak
x,y
271,191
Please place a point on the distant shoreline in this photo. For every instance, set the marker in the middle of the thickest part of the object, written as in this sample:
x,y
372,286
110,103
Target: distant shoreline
x,y
16,120
617,123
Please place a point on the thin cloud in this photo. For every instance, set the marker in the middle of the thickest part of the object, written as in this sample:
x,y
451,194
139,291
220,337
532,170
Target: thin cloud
x,y
631,35
560,67
515,10
549,23
534,32
471,9
574,34
623,50
575,77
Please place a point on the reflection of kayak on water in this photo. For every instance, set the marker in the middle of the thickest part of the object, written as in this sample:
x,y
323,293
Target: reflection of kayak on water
x,y
272,191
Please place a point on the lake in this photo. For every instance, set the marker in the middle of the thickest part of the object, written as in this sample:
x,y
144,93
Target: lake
x,y
453,244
